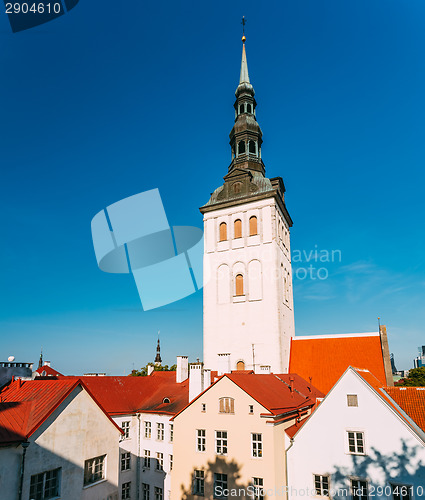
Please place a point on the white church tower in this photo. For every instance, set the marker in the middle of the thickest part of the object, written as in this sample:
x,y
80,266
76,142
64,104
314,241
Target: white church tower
x,y
248,302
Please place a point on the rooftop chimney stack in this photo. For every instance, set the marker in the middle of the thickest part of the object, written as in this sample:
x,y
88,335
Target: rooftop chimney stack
x,y
223,364
182,371
196,382
151,369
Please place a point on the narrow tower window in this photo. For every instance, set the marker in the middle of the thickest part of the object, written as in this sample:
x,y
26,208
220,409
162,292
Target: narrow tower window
x,y
253,229
239,285
241,109
252,147
241,147
238,228
248,108
223,231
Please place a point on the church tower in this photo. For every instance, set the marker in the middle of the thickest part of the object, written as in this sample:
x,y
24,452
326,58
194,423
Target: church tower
x,y
248,303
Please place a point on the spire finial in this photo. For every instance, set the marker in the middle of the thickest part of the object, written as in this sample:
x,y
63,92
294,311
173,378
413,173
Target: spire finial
x,y
244,66
243,29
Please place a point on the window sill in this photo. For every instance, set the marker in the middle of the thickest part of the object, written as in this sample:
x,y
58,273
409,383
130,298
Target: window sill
x,y
94,484
239,298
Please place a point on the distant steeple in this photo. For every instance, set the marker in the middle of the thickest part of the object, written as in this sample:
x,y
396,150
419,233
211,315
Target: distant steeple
x,y
158,359
40,361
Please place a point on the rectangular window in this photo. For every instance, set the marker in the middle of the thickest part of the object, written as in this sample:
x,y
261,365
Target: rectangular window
x,y
160,461
126,429
198,483
402,491
220,485
204,407
146,491
171,432
158,494
45,485
171,462
257,445
359,489
356,442
221,442
147,459
125,491
251,409
258,488
200,439
94,470
321,485
125,461
148,430
160,431
352,400
226,405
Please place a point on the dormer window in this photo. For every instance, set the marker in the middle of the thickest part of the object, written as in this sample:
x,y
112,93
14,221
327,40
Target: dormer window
x,y
241,147
166,401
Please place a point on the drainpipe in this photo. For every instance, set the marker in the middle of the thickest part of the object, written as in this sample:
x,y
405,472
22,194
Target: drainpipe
x,y
21,479
286,467
138,460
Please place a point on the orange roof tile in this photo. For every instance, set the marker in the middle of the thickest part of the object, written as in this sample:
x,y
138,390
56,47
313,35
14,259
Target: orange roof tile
x,y
325,358
411,400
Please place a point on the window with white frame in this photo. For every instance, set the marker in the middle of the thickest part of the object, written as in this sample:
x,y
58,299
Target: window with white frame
x,y
220,485
321,485
147,459
125,426
146,491
125,491
94,470
200,440
171,432
159,461
359,489
125,461
160,431
402,491
148,430
226,405
45,485
158,493
198,487
171,462
356,442
257,445
352,400
258,493
221,442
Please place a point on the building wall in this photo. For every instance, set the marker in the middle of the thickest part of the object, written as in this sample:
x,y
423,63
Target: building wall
x,y
10,465
238,464
393,452
78,430
264,315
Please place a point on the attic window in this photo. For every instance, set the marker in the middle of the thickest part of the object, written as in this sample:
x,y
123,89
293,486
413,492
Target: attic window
x,y
227,405
166,400
352,400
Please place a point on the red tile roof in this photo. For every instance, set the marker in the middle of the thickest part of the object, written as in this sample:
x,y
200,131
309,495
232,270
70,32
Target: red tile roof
x,y
411,400
126,395
326,358
25,405
49,371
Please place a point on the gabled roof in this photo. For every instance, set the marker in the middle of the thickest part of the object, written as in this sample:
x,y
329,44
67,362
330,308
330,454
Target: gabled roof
x,y
271,391
25,405
411,400
325,358
128,395
50,372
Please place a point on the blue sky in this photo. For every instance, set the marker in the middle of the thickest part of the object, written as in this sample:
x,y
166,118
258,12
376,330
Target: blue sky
x,y
109,101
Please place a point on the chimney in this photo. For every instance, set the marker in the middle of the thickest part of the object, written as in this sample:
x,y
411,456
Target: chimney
x,y
207,379
223,364
196,385
150,369
386,355
182,371
46,363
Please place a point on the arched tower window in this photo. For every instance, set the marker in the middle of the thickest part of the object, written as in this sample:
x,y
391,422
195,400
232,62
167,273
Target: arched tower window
x,y
241,108
248,108
240,365
252,147
253,227
241,147
237,187
223,231
239,285
238,228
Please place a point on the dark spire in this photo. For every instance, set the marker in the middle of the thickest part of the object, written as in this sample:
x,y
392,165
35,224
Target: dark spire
x,y
158,359
40,361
